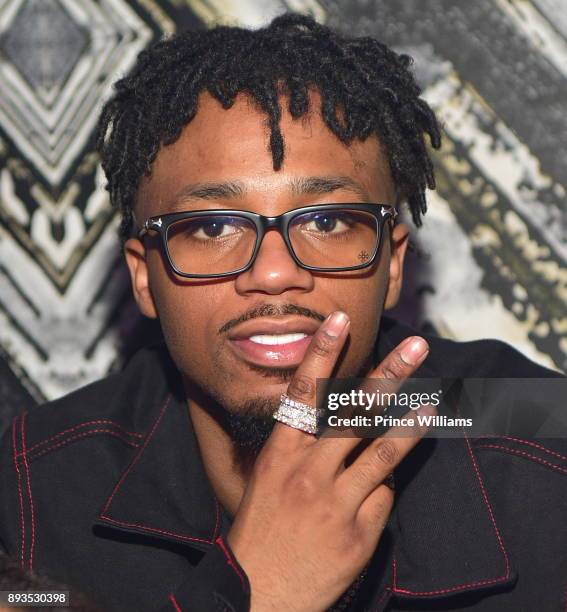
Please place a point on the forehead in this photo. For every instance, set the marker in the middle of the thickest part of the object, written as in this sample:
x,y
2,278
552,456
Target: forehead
x,y
233,145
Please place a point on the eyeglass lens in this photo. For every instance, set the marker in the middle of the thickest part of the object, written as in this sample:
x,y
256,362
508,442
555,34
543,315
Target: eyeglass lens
x,y
218,244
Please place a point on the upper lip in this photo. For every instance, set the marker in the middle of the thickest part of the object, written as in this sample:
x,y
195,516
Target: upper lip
x,y
274,326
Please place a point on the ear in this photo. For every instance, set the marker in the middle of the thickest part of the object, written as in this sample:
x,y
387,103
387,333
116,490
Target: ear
x,y
399,238
135,254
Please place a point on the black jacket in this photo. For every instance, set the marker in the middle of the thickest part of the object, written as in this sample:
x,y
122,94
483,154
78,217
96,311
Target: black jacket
x,y
105,490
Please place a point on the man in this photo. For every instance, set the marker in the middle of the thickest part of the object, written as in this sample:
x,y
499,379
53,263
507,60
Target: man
x,y
259,175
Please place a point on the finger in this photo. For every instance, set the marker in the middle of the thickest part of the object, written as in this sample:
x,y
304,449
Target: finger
x,y
387,377
375,509
381,457
403,360
319,361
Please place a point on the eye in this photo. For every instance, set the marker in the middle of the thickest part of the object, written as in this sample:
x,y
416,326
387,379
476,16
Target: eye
x,y
327,222
215,228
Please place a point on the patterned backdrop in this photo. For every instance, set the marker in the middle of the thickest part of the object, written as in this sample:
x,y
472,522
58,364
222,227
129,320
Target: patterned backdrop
x,y
489,261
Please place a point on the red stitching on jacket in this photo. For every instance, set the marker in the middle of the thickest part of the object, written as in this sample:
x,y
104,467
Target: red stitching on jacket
x,y
169,533
155,529
84,435
498,537
217,520
180,536
487,502
174,603
138,455
515,451
387,590
451,589
543,448
71,429
220,543
395,589
28,479
394,573
19,478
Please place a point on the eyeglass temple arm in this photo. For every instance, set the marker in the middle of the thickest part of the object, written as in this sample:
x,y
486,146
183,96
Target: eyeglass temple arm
x,y
150,224
390,210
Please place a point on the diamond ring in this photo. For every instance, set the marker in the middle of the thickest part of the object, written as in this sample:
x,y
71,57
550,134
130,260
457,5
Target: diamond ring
x,y
298,415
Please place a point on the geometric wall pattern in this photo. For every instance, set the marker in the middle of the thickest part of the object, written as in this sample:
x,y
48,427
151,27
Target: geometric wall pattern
x,y
490,260
495,237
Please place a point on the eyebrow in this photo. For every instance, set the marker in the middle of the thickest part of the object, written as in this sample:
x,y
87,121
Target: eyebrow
x,y
327,184
297,186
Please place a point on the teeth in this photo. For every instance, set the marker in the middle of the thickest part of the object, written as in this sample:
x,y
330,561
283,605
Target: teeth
x,y
277,339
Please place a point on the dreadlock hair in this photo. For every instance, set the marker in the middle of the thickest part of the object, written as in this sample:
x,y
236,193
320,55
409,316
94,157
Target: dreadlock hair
x,y
365,87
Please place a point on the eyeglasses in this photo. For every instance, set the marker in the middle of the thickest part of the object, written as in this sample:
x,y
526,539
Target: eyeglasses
x,y
321,238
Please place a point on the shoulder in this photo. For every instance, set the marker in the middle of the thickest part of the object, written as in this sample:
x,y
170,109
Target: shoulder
x,y
486,358
506,394
118,407
64,456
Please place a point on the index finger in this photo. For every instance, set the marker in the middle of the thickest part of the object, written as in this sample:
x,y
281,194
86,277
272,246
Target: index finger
x,y
318,362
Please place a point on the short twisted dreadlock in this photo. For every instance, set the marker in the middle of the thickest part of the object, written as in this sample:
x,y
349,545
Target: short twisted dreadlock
x,y
365,88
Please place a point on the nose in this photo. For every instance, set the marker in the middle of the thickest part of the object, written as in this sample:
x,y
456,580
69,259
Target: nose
x,y
274,271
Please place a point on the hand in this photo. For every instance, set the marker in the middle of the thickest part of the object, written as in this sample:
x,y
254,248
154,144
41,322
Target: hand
x,y
307,525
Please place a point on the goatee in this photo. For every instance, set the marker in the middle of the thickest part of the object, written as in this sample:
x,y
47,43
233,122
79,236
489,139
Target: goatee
x,y
251,425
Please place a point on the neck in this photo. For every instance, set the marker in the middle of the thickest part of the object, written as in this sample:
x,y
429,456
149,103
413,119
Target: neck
x,y
227,476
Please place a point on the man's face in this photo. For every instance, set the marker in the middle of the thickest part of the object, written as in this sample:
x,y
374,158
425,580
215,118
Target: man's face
x,y
203,321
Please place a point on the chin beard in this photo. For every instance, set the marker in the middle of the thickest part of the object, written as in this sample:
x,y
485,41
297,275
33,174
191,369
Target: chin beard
x,y
249,425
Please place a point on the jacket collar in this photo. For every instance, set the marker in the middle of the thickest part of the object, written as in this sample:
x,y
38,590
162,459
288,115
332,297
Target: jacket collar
x,y
164,491
446,538
445,533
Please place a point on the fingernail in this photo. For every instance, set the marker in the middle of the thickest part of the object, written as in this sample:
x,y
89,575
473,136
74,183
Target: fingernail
x,y
414,351
335,324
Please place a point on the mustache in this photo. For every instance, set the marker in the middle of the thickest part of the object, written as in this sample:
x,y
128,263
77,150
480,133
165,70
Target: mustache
x,y
272,310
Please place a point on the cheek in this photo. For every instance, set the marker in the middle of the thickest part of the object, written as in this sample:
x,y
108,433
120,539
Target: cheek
x,y
366,308
189,319
187,316
363,299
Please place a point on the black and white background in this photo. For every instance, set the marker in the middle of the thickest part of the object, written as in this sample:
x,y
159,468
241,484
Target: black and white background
x,y
492,252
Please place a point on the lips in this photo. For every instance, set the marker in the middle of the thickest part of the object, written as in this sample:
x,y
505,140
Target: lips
x,y
273,343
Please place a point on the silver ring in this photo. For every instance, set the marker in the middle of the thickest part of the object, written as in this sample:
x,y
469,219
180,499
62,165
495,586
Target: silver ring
x,y
298,415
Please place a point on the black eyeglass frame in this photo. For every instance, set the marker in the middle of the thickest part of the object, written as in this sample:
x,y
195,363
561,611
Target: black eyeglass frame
x,y
162,223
